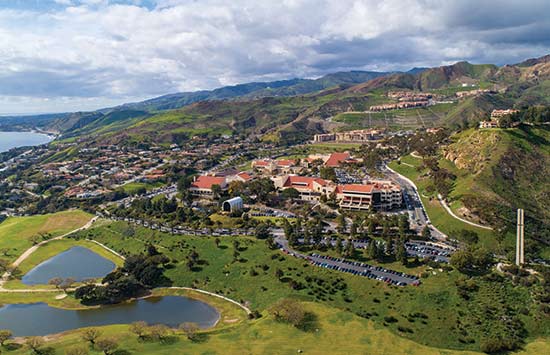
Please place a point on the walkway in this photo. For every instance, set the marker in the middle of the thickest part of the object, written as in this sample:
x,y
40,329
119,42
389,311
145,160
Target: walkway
x,y
32,249
449,211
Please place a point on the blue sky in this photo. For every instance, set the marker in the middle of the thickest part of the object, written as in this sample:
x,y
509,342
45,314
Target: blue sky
x,y
70,55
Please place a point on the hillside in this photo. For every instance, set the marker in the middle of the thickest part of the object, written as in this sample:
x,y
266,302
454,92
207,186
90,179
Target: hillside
x,y
294,110
500,170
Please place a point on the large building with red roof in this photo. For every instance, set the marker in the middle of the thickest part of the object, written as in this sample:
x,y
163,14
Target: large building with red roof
x,y
384,195
280,166
202,186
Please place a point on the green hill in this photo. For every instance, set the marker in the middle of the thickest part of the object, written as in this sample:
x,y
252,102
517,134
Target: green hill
x,y
499,170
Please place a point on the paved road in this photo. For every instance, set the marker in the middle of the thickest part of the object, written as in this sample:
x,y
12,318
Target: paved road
x,y
413,203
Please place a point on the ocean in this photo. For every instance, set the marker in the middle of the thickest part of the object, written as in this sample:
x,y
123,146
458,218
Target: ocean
x,y
10,140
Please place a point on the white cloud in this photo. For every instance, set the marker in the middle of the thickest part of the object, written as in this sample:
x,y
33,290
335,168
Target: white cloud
x,y
125,50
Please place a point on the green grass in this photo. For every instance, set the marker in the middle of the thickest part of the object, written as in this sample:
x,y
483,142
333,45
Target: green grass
x,y
335,332
439,217
16,232
219,272
133,188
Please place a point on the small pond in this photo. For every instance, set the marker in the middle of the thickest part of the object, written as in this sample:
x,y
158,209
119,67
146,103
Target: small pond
x,y
78,263
40,319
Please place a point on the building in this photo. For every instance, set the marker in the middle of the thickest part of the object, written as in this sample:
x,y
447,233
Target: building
x,y
496,114
333,160
399,105
234,204
309,188
272,167
489,124
410,95
384,195
462,94
356,136
202,185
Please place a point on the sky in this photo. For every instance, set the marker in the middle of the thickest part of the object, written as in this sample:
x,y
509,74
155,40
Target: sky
x,y
77,55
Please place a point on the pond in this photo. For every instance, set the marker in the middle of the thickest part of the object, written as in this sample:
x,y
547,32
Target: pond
x,y
78,263
38,319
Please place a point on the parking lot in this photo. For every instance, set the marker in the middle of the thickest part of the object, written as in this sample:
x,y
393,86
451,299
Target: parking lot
x,y
428,250
361,269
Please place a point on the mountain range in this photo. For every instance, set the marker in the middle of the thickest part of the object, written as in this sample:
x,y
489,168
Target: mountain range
x,y
293,110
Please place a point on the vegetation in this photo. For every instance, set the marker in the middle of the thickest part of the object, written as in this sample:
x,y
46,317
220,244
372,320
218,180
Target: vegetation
x,y
139,274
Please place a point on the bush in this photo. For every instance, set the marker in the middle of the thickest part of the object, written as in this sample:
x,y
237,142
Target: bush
x,y
290,311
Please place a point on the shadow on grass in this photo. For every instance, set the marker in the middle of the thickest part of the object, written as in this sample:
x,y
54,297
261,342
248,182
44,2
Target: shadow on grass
x,y
310,323
12,346
121,352
200,338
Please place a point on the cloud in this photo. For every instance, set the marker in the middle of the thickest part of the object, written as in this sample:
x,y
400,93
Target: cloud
x,y
77,51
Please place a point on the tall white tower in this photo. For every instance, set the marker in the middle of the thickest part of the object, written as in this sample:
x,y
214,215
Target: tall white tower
x,y
520,241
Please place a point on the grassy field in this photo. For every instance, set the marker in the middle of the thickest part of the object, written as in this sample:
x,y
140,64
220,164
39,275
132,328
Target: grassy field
x,y
333,332
135,187
50,250
16,232
438,215
249,276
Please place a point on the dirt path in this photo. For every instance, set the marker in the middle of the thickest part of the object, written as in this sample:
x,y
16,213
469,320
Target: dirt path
x,y
32,249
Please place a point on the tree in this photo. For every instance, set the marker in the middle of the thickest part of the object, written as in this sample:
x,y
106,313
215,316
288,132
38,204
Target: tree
x,y
353,229
342,225
262,231
35,343
77,350
91,335
290,193
67,283
328,173
339,246
372,249
5,334
56,281
426,232
139,328
401,253
159,331
190,329
107,345
289,310
350,248
216,191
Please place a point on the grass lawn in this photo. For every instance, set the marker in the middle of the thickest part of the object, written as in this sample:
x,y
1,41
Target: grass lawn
x,y
250,277
332,331
438,215
16,232
133,188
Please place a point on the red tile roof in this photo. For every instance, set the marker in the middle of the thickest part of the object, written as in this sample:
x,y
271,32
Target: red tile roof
x,y
336,158
303,182
286,162
245,176
261,163
355,188
206,182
